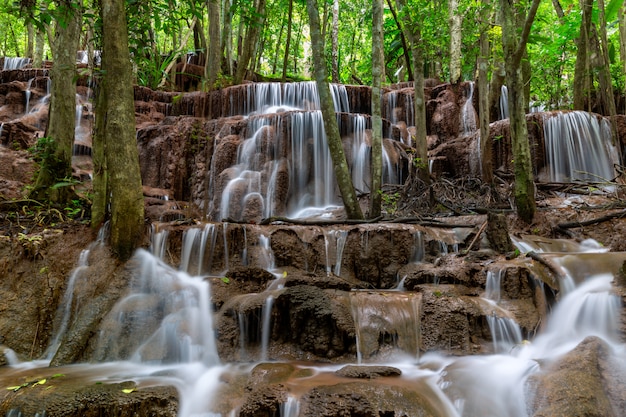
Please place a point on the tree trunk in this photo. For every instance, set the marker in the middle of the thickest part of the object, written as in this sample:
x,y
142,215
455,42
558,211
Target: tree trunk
x,y
30,45
378,69
414,35
335,42
117,110
340,165
483,109
454,21
40,40
514,47
227,38
405,46
288,42
214,62
582,73
62,111
606,85
249,45
622,42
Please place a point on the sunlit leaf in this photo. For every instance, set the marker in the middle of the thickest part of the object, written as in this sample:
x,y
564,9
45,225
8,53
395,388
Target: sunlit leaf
x,y
128,390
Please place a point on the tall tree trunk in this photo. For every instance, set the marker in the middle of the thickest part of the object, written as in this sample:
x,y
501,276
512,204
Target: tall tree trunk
x,y
454,21
62,110
514,47
483,108
606,84
340,164
40,43
227,38
622,42
279,42
288,41
378,69
414,35
582,73
250,43
214,61
335,43
117,112
405,45
30,45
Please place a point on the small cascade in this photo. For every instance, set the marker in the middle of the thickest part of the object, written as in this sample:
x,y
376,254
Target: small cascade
x,y
334,243
578,147
158,242
492,287
505,333
266,329
70,303
504,103
386,319
27,94
290,408
194,248
165,318
418,251
14,63
468,113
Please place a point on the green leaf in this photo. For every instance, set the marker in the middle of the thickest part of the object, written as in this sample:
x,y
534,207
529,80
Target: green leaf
x,y
225,280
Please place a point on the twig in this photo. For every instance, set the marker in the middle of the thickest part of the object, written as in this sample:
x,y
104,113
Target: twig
x,y
480,231
571,225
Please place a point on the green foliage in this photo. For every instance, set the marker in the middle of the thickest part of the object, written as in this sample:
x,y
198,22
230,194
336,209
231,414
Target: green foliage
x,y
389,201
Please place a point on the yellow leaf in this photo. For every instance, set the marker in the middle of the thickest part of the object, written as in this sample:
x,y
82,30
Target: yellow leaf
x,y
284,274
128,390
40,382
15,388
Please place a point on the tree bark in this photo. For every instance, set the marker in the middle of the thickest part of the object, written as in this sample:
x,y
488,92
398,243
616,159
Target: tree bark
x,y
405,46
335,42
248,47
378,68
414,34
227,38
340,165
582,73
483,109
514,47
454,22
288,42
57,166
117,110
214,61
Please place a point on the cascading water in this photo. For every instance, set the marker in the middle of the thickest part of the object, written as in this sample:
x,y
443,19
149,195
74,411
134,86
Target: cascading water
x,y
579,147
14,63
284,167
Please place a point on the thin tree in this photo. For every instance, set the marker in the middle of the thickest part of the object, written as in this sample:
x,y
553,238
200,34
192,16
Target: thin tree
x,y
56,166
340,164
117,178
378,67
255,24
412,30
214,61
454,22
288,42
514,47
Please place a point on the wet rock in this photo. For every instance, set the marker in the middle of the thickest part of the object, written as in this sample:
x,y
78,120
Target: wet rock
x,y
361,399
264,401
588,381
90,400
498,233
367,372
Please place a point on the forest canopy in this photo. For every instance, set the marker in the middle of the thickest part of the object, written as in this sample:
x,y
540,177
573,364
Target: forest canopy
x,y
273,38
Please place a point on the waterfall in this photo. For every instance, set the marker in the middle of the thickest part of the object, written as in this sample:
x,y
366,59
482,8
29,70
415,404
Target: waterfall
x,y
164,319
12,63
27,94
504,102
386,319
468,113
418,251
492,287
578,147
266,330
505,332
334,243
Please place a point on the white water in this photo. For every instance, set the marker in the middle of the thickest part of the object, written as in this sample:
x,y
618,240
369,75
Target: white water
x,y
12,63
283,166
579,147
